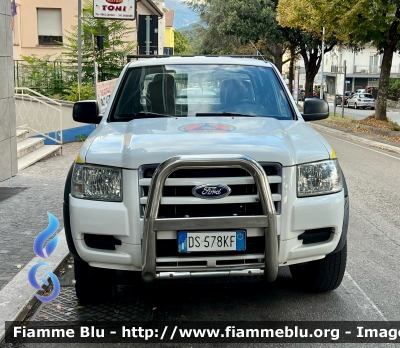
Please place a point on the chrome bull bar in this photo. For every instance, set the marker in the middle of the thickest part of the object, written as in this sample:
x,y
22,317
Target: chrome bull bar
x,y
152,224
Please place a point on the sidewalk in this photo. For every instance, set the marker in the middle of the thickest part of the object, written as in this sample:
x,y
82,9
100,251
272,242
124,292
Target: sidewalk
x,y
359,136
24,215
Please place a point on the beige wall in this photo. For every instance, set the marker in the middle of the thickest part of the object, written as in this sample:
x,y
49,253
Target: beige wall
x,y
26,32
27,26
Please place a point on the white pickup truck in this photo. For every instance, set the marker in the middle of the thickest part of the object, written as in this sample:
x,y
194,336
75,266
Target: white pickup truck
x,y
204,167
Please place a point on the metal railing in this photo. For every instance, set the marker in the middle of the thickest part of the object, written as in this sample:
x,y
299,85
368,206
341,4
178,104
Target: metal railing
x,y
366,69
48,77
152,224
38,113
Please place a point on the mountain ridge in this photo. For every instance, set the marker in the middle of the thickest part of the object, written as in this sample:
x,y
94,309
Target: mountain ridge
x,y
184,16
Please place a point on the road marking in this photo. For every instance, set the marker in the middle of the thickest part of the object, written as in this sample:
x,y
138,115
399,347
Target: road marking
x,y
364,147
363,301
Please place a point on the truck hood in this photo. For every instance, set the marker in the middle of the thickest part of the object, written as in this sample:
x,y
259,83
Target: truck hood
x,y
145,141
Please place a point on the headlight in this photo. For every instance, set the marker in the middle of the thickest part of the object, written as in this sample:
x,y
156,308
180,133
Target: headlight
x,y
319,178
99,183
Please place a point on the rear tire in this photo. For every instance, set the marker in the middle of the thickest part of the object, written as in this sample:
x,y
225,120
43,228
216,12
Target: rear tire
x,y
321,275
94,285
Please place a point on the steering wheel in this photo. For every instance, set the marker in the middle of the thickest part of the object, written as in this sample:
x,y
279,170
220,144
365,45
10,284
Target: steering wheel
x,y
247,106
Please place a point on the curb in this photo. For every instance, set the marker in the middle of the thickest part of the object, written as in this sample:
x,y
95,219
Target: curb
x,y
394,134
18,294
373,143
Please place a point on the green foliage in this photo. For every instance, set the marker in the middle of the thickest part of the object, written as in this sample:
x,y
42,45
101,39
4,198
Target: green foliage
x,y
42,75
58,77
181,44
394,85
116,45
81,137
74,93
394,125
356,23
211,37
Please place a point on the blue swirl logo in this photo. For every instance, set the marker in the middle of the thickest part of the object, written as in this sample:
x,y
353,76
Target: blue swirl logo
x,y
44,252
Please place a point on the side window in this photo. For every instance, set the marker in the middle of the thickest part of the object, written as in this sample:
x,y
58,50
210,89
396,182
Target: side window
x,y
281,100
129,98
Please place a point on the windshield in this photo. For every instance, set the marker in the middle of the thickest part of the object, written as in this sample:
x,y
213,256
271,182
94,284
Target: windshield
x,y
365,95
190,90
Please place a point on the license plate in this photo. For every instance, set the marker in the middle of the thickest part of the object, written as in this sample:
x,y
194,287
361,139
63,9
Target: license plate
x,y
211,241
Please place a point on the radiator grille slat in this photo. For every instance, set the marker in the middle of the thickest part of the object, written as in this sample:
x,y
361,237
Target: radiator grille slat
x,y
178,200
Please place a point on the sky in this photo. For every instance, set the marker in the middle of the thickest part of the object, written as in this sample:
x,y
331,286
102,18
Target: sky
x,y
183,15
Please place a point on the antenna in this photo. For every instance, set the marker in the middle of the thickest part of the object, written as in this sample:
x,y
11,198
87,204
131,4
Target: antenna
x,y
258,52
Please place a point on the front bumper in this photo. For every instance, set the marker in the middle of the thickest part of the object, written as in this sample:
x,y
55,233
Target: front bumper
x,y
123,221
363,104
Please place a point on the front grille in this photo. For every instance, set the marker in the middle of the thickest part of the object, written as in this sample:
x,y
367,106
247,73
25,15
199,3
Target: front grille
x,y
179,202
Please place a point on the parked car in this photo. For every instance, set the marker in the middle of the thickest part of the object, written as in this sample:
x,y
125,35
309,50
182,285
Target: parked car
x,y
348,95
338,99
361,100
302,94
360,90
368,89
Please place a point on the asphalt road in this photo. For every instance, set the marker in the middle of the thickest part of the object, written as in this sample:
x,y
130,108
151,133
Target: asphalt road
x,y
371,286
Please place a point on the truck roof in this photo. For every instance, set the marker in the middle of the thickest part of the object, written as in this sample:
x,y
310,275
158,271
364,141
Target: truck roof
x,y
199,60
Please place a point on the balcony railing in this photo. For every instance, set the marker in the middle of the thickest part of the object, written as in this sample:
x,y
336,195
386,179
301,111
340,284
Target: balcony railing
x,y
365,69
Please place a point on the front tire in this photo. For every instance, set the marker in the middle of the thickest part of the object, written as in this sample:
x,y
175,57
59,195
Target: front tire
x,y
321,275
94,285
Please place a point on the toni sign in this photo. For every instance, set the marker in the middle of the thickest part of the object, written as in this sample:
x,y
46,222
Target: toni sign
x,y
114,9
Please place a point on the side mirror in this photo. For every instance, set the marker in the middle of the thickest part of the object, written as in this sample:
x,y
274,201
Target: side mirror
x,y
86,111
315,109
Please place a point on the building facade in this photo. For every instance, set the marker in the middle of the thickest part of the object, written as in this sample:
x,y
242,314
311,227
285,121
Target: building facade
x,y
362,69
169,32
8,139
40,25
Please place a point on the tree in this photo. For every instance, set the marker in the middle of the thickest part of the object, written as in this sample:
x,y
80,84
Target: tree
x,y
374,22
207,40
239,21
306,34
181,43
116,45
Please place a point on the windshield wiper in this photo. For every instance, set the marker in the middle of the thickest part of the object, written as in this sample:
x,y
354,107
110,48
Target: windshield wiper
x,y
141,114
225,113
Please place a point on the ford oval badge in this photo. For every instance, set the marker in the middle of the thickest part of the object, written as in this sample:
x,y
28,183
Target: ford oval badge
x,y
210,191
